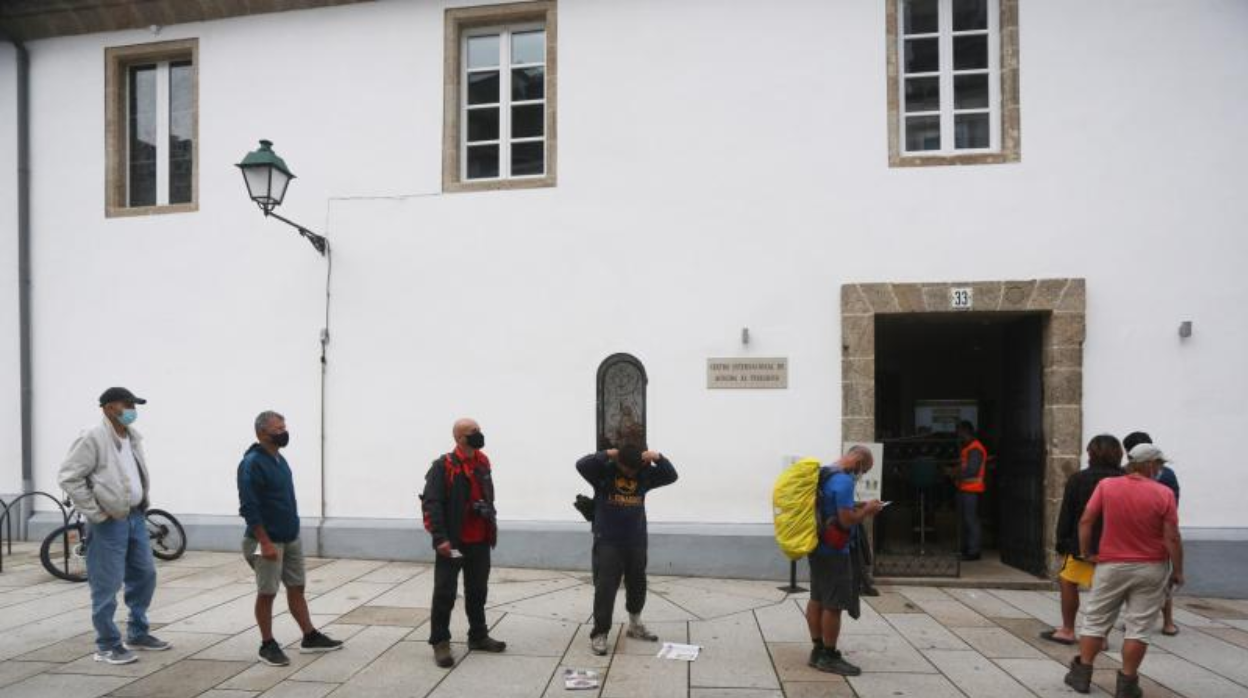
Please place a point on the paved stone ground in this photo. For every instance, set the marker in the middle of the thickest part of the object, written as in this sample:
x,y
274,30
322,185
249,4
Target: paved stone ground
x,y
911,641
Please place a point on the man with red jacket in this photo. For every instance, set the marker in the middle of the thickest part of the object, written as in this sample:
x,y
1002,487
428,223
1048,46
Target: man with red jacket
x,y
458,507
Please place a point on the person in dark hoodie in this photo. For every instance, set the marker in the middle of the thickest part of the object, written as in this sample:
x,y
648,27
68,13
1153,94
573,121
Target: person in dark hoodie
x,y
458,508
621,479
266,501
1104,461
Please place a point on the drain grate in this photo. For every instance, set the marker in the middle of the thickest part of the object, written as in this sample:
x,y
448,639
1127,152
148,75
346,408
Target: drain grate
x,y
887,565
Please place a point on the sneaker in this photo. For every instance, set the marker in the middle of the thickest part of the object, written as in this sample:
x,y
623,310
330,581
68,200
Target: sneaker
x,y
814,655
487,644
442,655
832,662
316,641
149,643
120,655
638,631
271,653
598,645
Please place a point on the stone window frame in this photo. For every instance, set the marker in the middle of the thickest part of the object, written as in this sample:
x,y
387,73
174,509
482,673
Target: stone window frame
x,y
460,19
1063,304
1011,134
117,59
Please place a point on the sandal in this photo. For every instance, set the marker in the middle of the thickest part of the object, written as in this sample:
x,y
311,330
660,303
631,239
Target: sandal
x,y
1170,633
1051,636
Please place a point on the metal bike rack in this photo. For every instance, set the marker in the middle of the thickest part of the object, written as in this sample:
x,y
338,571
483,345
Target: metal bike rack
x,y
7,521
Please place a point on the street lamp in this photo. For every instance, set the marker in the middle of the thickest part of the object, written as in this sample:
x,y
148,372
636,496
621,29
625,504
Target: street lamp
x,y
267,177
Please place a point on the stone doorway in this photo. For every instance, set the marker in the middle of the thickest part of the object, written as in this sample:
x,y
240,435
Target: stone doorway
x,y
1061,302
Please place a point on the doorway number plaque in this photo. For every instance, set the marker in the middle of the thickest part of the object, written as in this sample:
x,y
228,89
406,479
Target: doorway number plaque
x,y
961,298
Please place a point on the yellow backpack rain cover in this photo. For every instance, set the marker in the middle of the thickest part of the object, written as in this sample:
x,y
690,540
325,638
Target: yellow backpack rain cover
x,y
793,508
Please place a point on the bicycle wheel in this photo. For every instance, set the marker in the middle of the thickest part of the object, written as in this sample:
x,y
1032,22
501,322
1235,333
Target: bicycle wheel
x,y
71,567
166,533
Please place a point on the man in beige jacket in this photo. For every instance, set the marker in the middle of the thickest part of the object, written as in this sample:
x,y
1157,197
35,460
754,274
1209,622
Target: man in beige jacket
x,y
105,476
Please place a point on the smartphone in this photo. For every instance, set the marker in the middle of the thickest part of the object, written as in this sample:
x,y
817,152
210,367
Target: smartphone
x,y
455,553
884,504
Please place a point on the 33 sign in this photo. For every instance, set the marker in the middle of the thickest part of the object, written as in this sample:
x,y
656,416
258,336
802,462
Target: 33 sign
x,y
961,298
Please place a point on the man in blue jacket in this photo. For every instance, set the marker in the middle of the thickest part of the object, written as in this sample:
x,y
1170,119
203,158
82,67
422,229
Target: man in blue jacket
x,y
266,501
621,478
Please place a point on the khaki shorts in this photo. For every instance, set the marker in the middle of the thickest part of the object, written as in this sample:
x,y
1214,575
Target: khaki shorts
x,y
1078,572
1137,589
287,568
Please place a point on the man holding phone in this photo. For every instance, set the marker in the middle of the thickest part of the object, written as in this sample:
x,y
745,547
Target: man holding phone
x,y
458,509
1140,555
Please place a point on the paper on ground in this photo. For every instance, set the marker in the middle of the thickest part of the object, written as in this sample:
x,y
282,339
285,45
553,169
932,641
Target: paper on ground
x,y
674,650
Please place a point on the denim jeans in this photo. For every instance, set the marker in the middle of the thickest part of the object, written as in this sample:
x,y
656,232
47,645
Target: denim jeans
x,y
119,550
968,502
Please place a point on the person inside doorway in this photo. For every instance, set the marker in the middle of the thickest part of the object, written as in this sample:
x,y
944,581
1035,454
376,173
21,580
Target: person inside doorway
x,y
970,481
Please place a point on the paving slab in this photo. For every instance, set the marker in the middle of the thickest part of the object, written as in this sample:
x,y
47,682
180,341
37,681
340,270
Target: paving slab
x,y
924,632
459,625
39,607
947,611
13,672
998,643
479,675
41,633
416,592
1035,603
396,572
299,689
884,653
1213,609
228,618
734,693
733,654
1235,636
511,592
338,572
507,575
347,597
891,602
704,603
386,615
790,660
214,577
244,645
1189,679
227,693
1183,616
535,637
1044,677
1224,658
782,622
889,685
764,591
185,679
988,605
574,604
63,685
182,646
631,676
161,612
800,689
403,671
358,652
974,674
261,677
556,689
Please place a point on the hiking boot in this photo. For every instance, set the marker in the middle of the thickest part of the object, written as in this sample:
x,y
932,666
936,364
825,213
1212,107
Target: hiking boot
x,y
870,590
315,642
833,662
637,631
1080,676
1128,686
119,655
271,653
598,644
487,644
149,643
442,655
814,655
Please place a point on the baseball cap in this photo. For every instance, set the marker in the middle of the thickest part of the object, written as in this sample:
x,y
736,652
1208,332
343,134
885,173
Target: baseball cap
x,y
120,395
1143,453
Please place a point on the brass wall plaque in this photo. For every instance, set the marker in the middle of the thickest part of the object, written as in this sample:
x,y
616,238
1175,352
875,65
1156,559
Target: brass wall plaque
x,y
747,373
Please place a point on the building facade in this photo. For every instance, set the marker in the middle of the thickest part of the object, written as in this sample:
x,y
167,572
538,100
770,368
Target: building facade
x,y
515,193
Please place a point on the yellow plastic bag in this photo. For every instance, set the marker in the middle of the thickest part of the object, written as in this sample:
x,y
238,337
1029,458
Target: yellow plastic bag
x,y
793,508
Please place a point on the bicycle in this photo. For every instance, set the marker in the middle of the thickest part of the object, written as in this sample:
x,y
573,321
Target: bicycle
x,y
165,532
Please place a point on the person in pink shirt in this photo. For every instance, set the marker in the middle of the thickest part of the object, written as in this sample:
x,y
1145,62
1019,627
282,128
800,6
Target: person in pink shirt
x,y
1140,555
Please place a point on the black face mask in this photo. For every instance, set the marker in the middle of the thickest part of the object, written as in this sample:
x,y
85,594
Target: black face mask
x,y
476,440
280,440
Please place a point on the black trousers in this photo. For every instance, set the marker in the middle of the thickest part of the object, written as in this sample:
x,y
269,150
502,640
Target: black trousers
x,y
476,566
612,562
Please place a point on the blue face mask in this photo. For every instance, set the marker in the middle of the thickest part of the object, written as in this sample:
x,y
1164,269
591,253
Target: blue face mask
x,y
128,416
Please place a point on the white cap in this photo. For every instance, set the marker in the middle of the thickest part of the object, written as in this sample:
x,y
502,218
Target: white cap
x,y
1143,453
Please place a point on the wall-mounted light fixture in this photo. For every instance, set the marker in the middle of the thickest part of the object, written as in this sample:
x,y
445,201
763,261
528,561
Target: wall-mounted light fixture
x,y
745,335
1185,329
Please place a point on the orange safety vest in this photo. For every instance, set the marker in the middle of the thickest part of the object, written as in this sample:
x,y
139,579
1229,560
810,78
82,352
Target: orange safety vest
x,y
973,484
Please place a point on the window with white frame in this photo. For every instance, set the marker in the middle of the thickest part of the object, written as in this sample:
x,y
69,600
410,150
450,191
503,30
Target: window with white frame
x,y
950,86
160,134
503,117
151,128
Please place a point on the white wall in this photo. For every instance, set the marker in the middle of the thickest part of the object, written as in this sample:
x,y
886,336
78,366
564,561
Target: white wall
x,y
728,170
10,374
